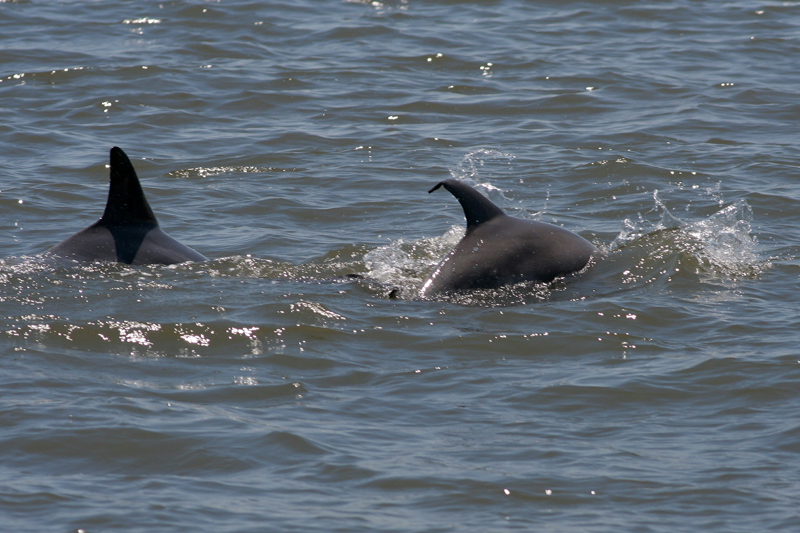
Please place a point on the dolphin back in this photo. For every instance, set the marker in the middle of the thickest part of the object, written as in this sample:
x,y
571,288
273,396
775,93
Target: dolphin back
x,y
500,250
128,232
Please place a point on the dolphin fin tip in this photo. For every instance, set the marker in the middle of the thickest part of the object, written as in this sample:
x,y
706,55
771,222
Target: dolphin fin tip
x,y
119,162
436,187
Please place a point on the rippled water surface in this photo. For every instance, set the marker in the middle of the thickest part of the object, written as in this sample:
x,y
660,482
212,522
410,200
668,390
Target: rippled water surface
x,y
296,381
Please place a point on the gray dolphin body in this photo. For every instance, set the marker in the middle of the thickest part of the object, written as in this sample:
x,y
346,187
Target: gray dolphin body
x,y
500,250
128,231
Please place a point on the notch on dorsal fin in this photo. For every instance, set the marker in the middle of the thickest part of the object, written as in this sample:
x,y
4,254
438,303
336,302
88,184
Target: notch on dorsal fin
x,y
126,202
477,208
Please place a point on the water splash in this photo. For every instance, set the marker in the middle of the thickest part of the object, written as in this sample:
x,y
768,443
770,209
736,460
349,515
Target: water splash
x,y
405,265
728,245
636,229
722,243
468,168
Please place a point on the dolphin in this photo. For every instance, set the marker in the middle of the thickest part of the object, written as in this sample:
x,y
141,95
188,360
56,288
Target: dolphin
x,y
128,231
500,250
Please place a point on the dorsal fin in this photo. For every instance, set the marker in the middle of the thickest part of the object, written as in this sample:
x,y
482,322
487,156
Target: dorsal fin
x,y
126,202
477,208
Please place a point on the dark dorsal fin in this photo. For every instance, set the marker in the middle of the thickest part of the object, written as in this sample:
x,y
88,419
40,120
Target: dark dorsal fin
x,y
126,202
477,208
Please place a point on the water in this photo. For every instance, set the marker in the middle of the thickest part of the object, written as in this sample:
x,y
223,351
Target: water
x,y
294,145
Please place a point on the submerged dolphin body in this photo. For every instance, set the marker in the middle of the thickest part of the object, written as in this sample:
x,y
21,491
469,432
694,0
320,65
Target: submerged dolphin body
x,y
499,250
128,231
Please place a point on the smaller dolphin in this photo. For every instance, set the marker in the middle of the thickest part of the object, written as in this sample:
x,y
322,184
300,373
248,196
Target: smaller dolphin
x,y
128,231
500,250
